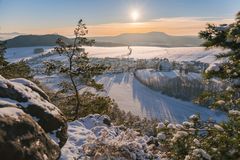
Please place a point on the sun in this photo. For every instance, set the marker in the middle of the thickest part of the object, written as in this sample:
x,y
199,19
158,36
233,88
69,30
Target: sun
x,y
135,15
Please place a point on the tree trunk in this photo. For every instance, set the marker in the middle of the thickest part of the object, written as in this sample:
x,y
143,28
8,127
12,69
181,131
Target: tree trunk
x,y
73,83
77,98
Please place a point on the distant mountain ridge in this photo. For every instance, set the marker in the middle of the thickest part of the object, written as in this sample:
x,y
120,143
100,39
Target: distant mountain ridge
x,y
152,39
47,40
8,35
134,39
35,40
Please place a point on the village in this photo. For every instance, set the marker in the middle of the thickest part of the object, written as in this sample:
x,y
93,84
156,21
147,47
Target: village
x,y
124,63
179,79
120,65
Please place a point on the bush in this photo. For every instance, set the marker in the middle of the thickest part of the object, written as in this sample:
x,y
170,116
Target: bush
x,y
195,139
95,104
12,70
16,70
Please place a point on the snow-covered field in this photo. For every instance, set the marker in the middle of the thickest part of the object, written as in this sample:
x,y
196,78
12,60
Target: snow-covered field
x,y
130,94
177,54
23,53
135,97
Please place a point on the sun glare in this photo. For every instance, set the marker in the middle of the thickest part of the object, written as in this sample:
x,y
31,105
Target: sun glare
x,y
135,15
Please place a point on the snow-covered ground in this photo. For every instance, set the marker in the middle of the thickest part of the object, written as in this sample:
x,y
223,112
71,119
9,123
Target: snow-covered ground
x,y
140,100
138,52
24,53
91,138
128,92
132,96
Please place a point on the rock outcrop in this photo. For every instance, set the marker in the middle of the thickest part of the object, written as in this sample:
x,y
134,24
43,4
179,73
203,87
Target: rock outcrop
x,y
22,138
94,137
31,85
27,96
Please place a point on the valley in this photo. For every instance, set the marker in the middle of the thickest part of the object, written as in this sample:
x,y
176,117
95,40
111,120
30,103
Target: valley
x,y
131,95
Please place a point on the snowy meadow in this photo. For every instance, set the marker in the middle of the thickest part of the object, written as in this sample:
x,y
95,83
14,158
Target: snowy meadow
x,y
138,52
130,95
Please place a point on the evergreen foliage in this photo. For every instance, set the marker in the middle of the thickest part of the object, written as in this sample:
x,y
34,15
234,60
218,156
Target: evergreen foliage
x,y
195,139
3,62
77,67
12,70
226,37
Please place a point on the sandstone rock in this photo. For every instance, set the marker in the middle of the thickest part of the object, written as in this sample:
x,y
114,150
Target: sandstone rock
x,y
31,85
33,101
107,120
22,138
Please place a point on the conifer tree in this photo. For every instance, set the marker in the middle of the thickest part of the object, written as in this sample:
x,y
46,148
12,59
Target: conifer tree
x,y
3,62
78,69
12,70
226,37
208,139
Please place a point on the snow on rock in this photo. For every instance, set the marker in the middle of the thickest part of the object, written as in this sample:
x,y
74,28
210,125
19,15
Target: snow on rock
x,y
22,138
161,125
179,135
11,112
33,101
95,120
161,136
213,67
6,102
200,153
234,112
91,138
31,85
218,127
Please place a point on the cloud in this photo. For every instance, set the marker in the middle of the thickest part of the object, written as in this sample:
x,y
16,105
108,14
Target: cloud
x,y
173,26
191,19
4,36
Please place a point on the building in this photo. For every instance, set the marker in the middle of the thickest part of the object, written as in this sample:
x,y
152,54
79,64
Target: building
x,y
38,50
165,65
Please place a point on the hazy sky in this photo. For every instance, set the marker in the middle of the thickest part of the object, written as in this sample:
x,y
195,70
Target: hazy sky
x,y
112,17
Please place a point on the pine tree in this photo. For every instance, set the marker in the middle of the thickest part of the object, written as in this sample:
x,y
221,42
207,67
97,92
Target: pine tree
x,y
12,70
77,67
226,37
3,62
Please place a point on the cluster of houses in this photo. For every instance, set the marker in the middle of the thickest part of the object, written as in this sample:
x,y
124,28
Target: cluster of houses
x,y
183,67
119,65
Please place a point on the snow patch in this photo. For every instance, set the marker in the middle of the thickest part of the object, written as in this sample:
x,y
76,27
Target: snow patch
x,y
11,112
89,133
213,67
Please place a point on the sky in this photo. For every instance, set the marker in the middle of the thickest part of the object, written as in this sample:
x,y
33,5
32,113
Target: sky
x,y
113,17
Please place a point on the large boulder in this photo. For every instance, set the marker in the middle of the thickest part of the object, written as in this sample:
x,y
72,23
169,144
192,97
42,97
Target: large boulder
x,y
25,95
31,85
22,138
